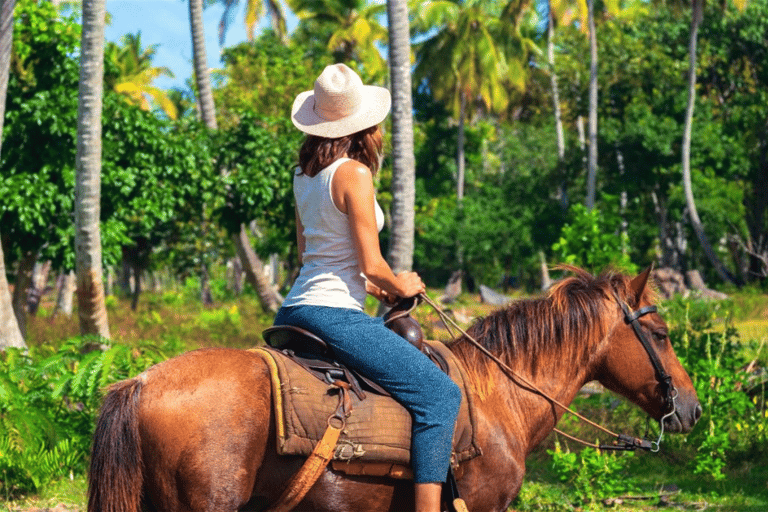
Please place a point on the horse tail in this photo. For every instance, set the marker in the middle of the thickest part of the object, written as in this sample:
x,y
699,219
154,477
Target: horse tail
x,y
115,476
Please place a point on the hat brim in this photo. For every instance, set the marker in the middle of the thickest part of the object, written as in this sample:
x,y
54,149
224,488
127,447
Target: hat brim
x,y
375,105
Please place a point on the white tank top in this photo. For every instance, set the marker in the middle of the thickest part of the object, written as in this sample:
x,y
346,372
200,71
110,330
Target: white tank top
x,y
330,274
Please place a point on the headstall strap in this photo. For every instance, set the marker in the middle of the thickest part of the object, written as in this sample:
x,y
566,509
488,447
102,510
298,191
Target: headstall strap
x,y
631,317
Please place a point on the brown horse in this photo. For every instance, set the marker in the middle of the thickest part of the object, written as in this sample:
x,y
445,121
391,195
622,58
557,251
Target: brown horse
x,y
197,432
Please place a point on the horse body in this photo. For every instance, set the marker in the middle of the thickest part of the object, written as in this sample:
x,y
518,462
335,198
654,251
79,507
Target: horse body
x,y
203,429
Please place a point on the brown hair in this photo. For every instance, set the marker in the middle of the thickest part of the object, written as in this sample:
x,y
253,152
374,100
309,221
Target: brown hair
x,y
317,153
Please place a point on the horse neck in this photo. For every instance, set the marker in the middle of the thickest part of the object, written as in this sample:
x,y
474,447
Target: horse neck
x,y
519,412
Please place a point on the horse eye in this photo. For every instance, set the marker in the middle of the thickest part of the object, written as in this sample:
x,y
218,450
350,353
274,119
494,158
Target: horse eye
x,y
659,335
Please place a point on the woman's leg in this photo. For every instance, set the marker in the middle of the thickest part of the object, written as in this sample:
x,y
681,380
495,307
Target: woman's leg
x,y
364,343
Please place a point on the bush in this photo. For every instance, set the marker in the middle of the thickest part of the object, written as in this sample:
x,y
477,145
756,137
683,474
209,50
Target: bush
x,y
49,400
730,426
594,474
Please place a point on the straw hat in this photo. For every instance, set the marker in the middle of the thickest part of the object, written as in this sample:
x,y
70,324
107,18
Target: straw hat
x,y
340,104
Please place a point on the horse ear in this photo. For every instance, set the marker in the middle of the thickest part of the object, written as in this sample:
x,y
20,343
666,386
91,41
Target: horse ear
x,y
638,284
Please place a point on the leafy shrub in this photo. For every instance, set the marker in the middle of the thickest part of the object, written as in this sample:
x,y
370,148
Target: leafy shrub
x,y
589,240
49,400
715,364
594,474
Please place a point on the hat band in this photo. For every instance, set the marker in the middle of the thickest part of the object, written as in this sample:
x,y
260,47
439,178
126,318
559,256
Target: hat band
x,y
335,113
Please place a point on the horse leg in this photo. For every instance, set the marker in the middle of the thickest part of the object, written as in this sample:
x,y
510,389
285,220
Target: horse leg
x,y
205,418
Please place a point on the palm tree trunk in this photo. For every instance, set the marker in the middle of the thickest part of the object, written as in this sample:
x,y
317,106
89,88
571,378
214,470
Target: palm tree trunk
x,y
460,160
555,88
202,78
10,335
39,285
562,192
403,161
65,289
592,159
92,309
696,16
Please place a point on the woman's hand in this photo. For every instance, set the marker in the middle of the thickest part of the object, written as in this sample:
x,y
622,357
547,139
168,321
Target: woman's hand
x,y
409,284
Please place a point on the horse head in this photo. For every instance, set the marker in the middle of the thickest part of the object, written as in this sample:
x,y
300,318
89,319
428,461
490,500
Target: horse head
x,y
639,362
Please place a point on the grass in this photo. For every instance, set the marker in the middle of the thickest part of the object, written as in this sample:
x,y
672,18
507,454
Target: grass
x,y
232,322
238,322
69,494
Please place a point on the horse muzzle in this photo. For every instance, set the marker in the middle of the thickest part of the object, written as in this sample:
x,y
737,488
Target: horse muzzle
x,y
687,413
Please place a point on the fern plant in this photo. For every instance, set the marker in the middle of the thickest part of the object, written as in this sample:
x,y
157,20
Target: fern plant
x,y
49,400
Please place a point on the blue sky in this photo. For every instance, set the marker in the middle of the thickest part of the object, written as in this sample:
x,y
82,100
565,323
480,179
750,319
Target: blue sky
x,y
165,23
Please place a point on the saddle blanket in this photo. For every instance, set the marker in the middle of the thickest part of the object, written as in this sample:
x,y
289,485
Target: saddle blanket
x,y
378,430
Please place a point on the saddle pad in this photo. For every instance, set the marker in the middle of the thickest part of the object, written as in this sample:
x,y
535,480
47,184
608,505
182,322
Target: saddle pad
x,y
378,429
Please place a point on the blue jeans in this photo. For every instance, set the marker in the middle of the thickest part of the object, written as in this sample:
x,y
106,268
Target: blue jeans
x,y
364,343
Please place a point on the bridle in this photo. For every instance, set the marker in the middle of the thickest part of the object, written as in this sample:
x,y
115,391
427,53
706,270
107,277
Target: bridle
x,y
622,441
664,380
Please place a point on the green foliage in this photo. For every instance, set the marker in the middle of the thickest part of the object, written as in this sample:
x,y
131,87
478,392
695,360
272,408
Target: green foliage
x,y
39,132
263,76
48,404
594,474
259,155
715,364
591,241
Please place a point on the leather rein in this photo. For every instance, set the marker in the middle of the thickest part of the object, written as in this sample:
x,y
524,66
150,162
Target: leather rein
x,y
622,441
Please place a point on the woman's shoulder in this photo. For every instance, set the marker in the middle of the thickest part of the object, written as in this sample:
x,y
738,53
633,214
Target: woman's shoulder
x,y
354,170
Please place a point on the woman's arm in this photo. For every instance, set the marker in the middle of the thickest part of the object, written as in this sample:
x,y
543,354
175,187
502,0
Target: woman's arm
x,y
301,242
353,193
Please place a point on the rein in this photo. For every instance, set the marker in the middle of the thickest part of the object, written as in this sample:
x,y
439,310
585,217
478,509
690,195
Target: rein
x,y
622,441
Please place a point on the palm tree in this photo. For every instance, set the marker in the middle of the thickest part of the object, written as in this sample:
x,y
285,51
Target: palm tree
x,y
697,10
254,269
90,288
254,11
403,161
353,31
10,335
592,123
202,77
473,57
135,74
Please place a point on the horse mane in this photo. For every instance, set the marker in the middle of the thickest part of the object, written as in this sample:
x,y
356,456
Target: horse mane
x,y
557,332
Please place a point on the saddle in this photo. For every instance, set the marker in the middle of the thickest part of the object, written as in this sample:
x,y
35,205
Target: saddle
x,y
376,435
316,356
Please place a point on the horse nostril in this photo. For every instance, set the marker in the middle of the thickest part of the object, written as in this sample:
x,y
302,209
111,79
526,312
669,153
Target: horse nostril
x,y
697,412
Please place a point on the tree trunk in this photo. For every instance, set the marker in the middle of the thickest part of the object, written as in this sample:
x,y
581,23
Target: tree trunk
x,y
23,282
460,160
546,281
39,285
403,161
562,191
10,334
202,77
92,309
136,287
592,159
696,16
254,272
6,48
555,88
65,290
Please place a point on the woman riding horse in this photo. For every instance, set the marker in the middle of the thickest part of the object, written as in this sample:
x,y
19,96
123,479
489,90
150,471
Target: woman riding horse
x,y
337,225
